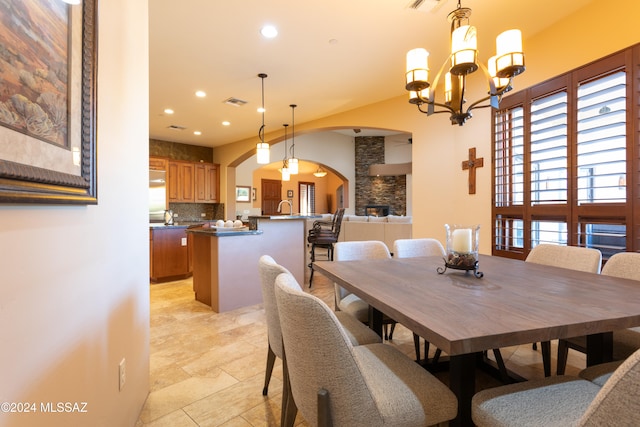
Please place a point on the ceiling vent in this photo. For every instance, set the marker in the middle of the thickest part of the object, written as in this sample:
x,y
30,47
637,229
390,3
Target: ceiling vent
x,y
235,102
425,5
176,127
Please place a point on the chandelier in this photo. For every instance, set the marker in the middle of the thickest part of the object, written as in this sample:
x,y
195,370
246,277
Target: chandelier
x,y
500,70
262,149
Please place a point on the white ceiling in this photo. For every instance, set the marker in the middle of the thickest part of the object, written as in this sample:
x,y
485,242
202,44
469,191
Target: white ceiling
x,y
330,56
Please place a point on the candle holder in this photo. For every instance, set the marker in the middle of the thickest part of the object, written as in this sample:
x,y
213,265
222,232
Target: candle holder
x,y
462,249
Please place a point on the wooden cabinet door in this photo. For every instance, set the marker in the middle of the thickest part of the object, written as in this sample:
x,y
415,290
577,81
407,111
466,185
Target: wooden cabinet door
x,y
206,177
212,182
181,182
157,163
170,253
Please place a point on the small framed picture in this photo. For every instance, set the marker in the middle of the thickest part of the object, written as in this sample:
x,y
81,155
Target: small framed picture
x,y
242,193
253,194
289,193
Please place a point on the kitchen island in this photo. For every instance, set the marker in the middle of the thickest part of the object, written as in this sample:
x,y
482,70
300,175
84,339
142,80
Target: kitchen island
x,y
225,263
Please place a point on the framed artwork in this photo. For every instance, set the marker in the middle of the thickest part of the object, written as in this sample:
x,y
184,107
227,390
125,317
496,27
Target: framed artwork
x,y
253,194
48,102
289,193
242,193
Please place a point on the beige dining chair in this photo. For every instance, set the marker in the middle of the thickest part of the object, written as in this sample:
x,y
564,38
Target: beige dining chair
x,y
347,301
334,383
357,332
627,266
571,257
563,401
411,248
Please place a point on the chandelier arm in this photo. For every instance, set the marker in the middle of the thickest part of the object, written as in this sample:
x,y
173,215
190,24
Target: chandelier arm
x,y
436,104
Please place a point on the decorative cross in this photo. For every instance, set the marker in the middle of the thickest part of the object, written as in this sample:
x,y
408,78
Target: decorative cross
x,y
472,164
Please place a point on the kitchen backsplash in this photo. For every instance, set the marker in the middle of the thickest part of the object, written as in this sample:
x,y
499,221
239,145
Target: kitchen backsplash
x,y
188,212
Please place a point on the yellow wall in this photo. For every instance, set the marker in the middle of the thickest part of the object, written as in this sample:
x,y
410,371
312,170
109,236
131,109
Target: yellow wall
x,y
439,185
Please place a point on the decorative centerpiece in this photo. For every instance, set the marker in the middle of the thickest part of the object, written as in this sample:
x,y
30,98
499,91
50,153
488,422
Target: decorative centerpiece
x,y
462,249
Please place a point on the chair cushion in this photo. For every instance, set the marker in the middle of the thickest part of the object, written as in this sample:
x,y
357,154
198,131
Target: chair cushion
x,y
418,398
554,401
355,307
599,374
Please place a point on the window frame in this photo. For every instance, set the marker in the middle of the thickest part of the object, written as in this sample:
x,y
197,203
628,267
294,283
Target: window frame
x,y
573,213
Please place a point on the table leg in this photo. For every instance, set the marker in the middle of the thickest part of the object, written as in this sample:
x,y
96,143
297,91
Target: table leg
x,y
462,381
599,348
375,320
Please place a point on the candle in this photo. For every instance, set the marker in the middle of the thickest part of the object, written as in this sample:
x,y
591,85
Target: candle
x,y
461,241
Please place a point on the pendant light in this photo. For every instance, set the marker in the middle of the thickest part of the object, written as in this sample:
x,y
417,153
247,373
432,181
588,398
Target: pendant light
x,y
262,148
286,172
293,162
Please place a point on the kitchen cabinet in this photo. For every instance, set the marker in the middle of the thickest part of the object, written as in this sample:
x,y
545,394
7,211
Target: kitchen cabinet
x,y
181,181
206,182
157,164
169,252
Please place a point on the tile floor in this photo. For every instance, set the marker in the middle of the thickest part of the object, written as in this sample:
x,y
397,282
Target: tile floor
x,y
207,369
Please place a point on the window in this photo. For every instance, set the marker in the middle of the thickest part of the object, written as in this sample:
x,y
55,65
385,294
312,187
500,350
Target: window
x,y
563,158
307,198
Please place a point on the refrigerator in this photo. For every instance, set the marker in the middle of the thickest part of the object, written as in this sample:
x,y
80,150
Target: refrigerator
x,y
157,195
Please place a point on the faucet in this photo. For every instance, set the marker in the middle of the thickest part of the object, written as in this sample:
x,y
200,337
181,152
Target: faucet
x,y
290,206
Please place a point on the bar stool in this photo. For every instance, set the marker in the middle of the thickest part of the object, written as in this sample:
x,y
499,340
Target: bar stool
x,y
323,235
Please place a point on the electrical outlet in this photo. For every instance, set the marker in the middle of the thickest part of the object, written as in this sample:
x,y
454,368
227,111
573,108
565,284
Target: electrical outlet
x,y
122,373
183,241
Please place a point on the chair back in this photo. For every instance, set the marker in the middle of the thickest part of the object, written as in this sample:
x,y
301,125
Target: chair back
x,y
571,257
319,355
617,402
337,222
625,265
365,249
269,270
352,251
409,248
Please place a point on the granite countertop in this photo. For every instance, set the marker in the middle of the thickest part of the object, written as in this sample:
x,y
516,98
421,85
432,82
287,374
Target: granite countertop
x,y
229,232
294,216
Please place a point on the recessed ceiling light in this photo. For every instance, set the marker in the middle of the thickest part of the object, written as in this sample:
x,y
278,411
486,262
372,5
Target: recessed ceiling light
x,y
269,31
197,132
226,123
168,111
201,94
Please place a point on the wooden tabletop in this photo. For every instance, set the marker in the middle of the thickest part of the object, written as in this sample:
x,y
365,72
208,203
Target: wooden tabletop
x,y
515,303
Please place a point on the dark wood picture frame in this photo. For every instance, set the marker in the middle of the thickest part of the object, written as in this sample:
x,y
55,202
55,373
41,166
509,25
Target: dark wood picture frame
x,y
22,183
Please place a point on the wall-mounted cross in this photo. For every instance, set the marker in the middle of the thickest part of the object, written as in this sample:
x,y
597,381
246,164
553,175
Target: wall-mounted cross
x,y
472,164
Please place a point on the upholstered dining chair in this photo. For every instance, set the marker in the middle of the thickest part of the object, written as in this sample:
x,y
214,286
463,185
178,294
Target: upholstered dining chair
x,y
334,383
410,248
357,332
323,235
571,257
627,266
347,301
563,401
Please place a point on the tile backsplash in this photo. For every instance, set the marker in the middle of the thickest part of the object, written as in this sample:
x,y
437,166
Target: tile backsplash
x,y
193,211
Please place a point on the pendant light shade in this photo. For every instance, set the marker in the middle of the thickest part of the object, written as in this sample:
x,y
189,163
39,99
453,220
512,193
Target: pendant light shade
x,y
262,148
293,161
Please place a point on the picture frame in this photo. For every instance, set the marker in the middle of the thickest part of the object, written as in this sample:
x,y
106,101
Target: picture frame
x,y
243,193
32,169
253,194
289,193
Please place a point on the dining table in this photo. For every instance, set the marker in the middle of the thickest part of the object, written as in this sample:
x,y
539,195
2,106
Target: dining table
x,y
513,303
